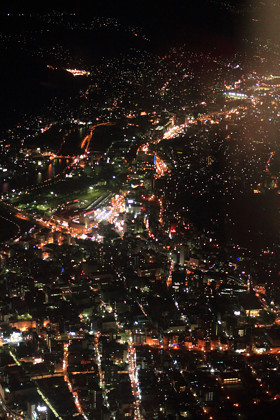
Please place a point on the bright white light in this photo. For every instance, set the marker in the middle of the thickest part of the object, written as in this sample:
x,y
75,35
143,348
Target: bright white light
x,y
41,408
15,337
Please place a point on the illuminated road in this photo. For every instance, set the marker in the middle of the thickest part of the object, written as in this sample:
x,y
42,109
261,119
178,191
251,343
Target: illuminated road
x,y
134,382
169,279
66,378
101,375
86,141
213,118
142,309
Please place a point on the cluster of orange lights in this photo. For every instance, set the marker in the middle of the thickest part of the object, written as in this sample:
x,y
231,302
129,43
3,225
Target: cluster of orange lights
x,y
76,72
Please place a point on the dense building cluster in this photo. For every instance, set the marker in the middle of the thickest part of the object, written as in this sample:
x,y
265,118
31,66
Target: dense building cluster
x,y
140,276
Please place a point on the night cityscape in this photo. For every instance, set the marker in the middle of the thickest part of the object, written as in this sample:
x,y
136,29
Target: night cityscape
x,y
140,210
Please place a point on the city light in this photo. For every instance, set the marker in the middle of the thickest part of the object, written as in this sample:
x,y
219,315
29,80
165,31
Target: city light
x,y
139,212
